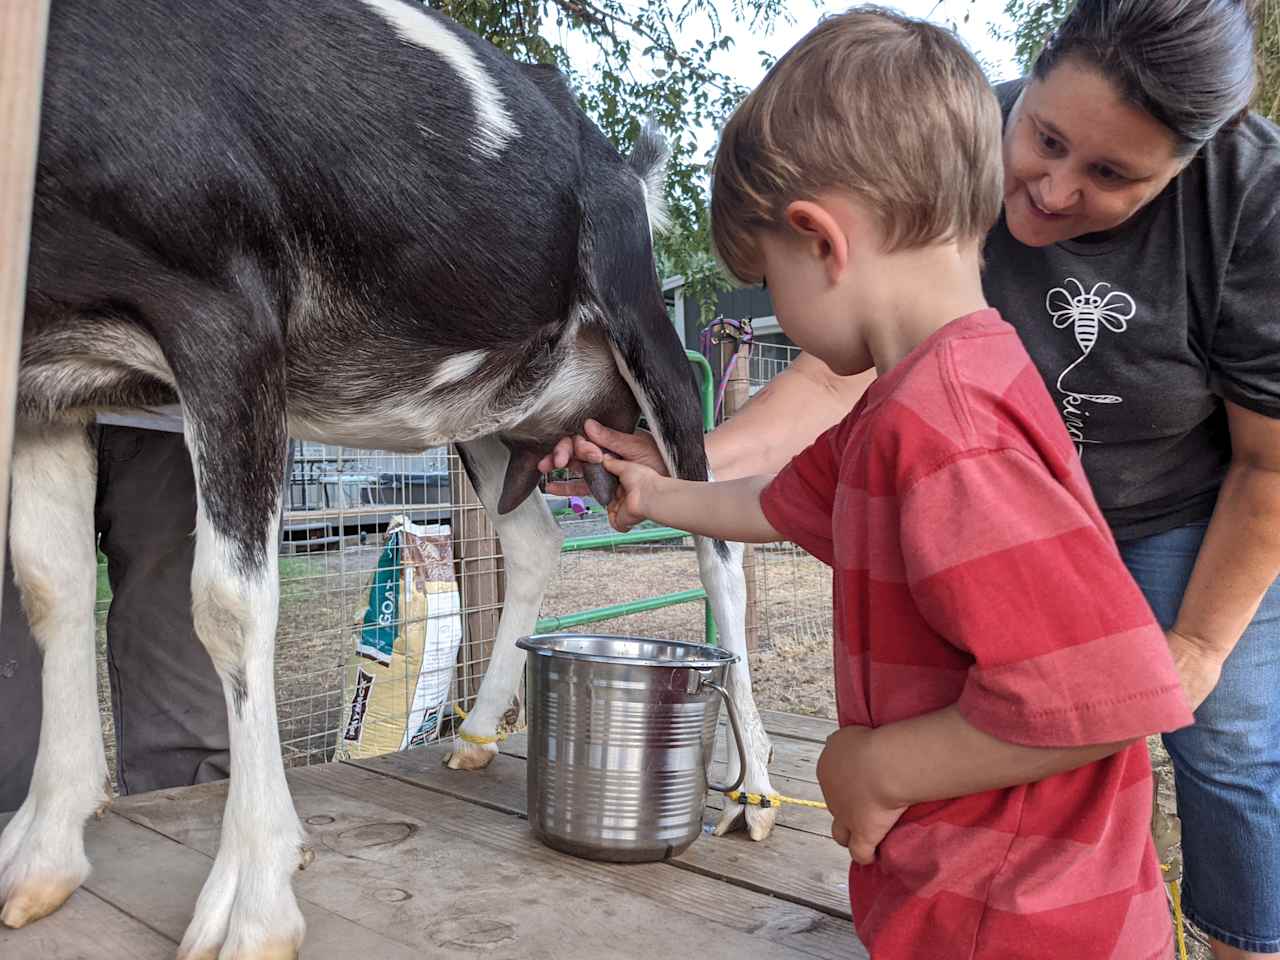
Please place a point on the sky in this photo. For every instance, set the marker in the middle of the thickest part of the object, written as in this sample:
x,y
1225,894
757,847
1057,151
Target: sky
x,y
743,63
997,56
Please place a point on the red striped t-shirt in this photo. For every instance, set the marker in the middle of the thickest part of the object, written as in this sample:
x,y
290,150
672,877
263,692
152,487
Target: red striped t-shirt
x,y
971,566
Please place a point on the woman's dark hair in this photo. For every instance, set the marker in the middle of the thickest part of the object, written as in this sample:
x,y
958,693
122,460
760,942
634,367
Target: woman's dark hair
x,y
1189,63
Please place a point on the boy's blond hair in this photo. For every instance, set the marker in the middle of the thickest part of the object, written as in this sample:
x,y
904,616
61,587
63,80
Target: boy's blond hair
x,y
893,110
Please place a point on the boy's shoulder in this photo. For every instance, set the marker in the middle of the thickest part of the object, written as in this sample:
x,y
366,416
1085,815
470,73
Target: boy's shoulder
x,y
970,386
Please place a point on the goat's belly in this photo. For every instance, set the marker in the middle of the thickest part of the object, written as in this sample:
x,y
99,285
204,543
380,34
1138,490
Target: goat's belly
x,y
458,404
409,425
397,426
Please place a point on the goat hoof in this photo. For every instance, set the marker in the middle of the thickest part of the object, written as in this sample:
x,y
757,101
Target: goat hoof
x,y
247,910
41,865
283,951
733,817
760,822
276,949
306,857
471,756
757,821
36,899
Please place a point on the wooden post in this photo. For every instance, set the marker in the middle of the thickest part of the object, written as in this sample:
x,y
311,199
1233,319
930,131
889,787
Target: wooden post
x,y
736,395
23,26
478,559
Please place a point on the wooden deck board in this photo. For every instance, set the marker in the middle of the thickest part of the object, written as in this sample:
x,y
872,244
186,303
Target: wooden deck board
x,y
796,726
86,926
794,864
415,861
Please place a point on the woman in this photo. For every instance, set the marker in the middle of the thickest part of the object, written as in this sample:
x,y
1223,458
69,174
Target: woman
x,y
1139,258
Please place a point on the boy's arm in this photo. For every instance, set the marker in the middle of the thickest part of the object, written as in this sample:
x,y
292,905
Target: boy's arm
x,y
787,415
942,755
870,776
728,511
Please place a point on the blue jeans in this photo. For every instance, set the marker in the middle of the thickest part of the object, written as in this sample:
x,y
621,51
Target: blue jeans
x,y
1226,766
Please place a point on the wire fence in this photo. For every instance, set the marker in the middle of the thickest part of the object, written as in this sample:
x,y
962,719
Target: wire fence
x,y
355,516
340,505
788,591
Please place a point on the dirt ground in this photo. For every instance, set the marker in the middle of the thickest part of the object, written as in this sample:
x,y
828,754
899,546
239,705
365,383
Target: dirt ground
x,y
323,595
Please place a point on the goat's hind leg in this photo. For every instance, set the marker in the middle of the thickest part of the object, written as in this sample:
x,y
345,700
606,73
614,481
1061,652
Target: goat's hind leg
x,y
42,858
246,910
723,577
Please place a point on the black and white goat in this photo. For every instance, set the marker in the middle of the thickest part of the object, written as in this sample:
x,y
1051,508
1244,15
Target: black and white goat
x,y
345,220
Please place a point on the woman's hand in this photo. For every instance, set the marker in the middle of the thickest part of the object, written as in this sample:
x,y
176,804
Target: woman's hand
x,y
861,814
573,452
1199,667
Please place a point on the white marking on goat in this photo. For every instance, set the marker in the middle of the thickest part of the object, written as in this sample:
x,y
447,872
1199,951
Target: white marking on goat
x,y
653,181
583,373
655,200
81,362
42,858
134,348
457,367
414,421
646,407
404,424
417,26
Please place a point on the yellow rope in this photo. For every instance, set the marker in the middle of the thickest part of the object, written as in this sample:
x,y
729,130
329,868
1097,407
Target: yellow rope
x,y
772,800
1179,924
471,737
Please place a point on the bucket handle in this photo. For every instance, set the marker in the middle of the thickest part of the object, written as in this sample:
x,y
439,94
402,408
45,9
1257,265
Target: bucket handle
x,y
704,680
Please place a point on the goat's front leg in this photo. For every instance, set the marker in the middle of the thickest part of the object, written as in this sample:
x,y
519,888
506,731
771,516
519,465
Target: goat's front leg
x,y
246,909
723,579
531,541
42,859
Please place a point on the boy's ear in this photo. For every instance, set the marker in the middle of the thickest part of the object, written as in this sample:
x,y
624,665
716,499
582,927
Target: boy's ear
x,y
818,228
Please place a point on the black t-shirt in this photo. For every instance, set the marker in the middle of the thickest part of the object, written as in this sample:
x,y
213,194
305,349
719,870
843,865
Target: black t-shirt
x,y
1141,335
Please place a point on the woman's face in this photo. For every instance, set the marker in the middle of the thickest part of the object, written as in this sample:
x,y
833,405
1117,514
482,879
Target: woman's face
x,y
1078,158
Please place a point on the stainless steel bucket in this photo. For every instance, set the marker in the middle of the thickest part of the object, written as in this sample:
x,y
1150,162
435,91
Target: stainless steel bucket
x,y
621,733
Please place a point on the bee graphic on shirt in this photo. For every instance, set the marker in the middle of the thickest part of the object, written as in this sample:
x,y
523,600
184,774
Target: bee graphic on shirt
x,y
1087,313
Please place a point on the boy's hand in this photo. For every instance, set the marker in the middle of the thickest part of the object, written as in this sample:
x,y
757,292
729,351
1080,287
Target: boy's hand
x,y
637,484
861,814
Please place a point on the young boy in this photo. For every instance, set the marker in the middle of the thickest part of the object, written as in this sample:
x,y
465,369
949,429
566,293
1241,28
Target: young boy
x,y
996,666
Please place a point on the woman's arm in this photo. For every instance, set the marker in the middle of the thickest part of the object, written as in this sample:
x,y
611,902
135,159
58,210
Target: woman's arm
x,y
787,415
1239,558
